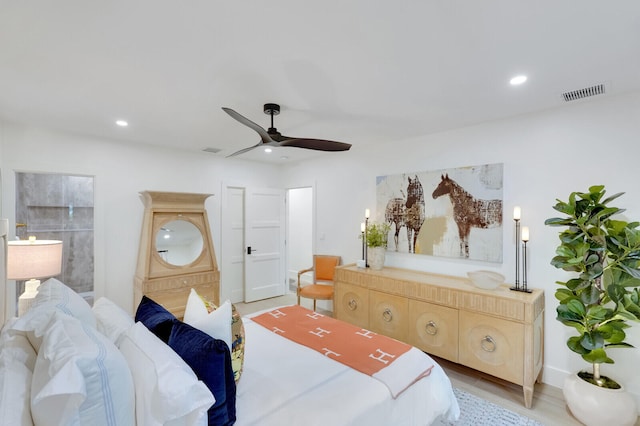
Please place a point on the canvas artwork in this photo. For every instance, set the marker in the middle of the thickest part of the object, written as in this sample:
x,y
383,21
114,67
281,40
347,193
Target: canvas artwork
x,y
450,213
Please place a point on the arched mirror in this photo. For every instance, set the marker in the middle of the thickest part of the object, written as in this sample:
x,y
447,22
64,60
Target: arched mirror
x,y
179,242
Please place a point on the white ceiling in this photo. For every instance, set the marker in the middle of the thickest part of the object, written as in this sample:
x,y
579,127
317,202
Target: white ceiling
x,y
360,71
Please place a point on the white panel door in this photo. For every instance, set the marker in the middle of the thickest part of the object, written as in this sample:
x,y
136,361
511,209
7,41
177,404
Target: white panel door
x,y
232,272
265,243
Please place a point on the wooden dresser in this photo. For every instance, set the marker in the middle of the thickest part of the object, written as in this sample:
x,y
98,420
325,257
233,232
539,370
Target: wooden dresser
x,y
499,332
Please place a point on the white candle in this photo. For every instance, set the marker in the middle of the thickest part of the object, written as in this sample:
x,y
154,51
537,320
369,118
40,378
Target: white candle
x,y
525,233
366,213
516,213
362,227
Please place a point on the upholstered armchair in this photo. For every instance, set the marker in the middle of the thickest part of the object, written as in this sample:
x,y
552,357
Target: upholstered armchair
x,y
321,287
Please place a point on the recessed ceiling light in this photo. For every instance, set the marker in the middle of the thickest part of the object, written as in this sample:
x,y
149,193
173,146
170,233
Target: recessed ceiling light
x,y
519,79
268,150
122,123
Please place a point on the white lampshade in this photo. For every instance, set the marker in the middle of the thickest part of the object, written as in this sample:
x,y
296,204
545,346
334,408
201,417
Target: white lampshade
x,y
28,259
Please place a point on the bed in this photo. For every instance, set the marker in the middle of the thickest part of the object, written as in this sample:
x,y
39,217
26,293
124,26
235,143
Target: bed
x,y
278,389
119,373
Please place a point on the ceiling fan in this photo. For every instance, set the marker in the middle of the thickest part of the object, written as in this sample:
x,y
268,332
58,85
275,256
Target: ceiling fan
x,y
272,137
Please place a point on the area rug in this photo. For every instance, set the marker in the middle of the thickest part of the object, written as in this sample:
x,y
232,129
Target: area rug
x,y
475,411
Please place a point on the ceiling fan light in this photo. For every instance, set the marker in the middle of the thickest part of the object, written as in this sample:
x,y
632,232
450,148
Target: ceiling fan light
x,y
517,80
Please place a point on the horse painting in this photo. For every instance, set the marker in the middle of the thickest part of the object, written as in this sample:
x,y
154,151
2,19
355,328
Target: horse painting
x,y
415,211
468,212
409,213
395,213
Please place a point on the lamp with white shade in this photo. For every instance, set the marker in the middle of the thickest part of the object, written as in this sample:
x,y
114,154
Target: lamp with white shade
x,y
31,260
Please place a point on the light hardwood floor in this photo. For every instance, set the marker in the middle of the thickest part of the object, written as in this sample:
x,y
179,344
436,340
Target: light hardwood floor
x,y
548,403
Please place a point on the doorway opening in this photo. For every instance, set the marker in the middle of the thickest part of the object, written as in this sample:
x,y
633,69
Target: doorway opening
x,y
300,233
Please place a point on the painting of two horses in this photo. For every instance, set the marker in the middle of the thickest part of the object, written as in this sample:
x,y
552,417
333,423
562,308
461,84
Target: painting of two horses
x,y
461,215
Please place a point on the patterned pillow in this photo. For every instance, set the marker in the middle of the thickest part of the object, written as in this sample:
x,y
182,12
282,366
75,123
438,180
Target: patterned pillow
x,y
237,338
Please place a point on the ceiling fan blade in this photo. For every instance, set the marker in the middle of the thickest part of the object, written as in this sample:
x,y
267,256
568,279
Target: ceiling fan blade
x,y
244,120
317,144
242,151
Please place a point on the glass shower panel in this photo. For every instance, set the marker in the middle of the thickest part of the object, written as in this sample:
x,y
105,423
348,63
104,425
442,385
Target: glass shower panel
x,y
60,207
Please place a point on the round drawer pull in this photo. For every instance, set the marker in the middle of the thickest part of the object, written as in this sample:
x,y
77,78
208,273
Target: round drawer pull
x,y
353,305
488,344
431,328
387,315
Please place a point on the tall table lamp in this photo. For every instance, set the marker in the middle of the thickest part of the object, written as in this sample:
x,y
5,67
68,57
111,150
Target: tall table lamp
x,y
31,260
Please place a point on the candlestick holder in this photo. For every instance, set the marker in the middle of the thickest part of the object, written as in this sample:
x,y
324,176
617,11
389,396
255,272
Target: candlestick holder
x,y
517,282
524,267
366,252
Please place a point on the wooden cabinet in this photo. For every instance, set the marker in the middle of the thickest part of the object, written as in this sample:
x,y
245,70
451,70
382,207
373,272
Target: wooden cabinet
x,y
176,251
499,332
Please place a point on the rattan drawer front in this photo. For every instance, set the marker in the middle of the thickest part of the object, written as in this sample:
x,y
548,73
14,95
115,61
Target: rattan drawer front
x,y
492,345
351,304
434,329
388,315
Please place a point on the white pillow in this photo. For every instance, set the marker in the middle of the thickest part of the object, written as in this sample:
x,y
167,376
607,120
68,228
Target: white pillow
x,y
15,391
17,360
111,319
80,377
216,324
167,390
17,346
65,299
52,296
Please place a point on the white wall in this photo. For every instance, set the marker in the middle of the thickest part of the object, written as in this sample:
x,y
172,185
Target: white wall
x,y
545,155
121,171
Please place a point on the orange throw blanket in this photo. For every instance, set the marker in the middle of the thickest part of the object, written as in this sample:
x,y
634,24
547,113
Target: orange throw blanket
x,y
363,350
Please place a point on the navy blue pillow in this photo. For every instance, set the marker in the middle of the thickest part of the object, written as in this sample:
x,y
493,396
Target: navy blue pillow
x,y
156,318
210,359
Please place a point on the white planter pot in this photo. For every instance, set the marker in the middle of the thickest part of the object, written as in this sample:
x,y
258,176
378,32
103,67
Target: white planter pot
x,y
375,256
593,405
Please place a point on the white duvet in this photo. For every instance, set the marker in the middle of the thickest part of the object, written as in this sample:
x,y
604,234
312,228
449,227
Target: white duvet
x,y
284,383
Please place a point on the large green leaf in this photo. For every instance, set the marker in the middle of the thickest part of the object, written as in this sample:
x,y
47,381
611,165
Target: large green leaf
x,y
598,313
558,221
597,356
612,197
573,343
635,273
563,295
593,340
577,308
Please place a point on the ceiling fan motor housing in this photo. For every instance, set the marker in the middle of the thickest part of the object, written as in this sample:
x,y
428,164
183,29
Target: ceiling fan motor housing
x,y
271,109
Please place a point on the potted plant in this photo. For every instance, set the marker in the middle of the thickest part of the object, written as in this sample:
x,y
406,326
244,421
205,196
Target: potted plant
x,y
602,297
376,236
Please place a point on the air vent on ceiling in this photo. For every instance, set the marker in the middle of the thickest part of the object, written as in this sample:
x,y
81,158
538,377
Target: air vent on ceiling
x,y
212,150
586,92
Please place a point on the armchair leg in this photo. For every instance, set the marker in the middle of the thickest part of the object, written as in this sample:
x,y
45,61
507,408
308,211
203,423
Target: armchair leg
x,y
314,305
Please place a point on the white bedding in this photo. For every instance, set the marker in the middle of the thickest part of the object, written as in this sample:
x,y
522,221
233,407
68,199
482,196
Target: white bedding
x,y
284,383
